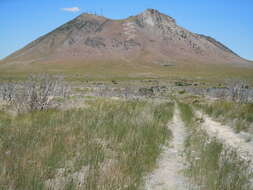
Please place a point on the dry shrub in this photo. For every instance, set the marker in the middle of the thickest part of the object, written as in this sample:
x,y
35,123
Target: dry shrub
x,y
239,91
7,91
36,93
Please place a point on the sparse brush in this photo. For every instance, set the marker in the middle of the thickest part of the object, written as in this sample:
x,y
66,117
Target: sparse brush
x,y
36,93
7,91
239,91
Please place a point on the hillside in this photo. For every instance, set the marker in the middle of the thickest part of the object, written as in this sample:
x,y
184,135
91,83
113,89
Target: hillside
x,y
145,42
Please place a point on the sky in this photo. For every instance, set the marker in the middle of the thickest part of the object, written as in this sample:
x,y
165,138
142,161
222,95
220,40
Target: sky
x,y
228,21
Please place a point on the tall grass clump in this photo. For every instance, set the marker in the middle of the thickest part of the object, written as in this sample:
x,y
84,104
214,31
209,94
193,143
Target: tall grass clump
x,y
212,165
106,145
186,113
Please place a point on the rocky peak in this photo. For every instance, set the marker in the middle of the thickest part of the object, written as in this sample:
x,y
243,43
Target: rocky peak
x,y
87,16
152,17
84,22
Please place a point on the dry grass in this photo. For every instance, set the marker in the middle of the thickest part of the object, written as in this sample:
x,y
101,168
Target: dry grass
x,y
108,145
241,115
212,165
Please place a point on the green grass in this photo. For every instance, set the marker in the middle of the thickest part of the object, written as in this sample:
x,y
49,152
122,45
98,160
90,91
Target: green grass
x,y
186,113
115,142
211,165
226,111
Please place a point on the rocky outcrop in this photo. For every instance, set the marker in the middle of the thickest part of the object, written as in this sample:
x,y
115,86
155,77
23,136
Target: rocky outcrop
x,y
153,18
95,42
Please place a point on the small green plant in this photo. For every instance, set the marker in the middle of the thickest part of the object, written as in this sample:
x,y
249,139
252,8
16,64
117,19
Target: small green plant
x,y
182,83
181,92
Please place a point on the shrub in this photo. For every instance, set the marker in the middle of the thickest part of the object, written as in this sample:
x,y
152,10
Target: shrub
x,y
7,91
239,91
36,93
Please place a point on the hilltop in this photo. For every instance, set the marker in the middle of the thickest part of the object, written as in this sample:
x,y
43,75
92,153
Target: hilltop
x,y
143,45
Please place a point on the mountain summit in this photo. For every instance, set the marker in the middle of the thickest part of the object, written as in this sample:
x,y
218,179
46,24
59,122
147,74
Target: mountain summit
x,y
150,37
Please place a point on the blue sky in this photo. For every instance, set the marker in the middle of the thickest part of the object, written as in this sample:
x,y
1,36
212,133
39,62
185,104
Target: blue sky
x,y
228,21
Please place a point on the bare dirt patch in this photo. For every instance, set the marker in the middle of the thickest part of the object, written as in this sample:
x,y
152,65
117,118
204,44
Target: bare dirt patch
x,y
169,173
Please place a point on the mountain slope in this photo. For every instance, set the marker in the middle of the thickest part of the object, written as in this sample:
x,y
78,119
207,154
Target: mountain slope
x,y
146,42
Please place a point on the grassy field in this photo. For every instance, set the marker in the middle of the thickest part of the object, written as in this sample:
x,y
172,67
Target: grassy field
x,y
110,144
122,70
241,115
211,165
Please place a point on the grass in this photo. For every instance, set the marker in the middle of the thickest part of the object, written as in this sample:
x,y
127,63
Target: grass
x,y
112,144
120,70
225,111
212,165
186,114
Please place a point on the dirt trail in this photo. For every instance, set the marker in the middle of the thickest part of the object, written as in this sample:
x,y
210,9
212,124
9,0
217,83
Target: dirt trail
x,y
168,175
227,136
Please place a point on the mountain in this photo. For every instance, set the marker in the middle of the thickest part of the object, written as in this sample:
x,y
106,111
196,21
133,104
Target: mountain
x,y
150,37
